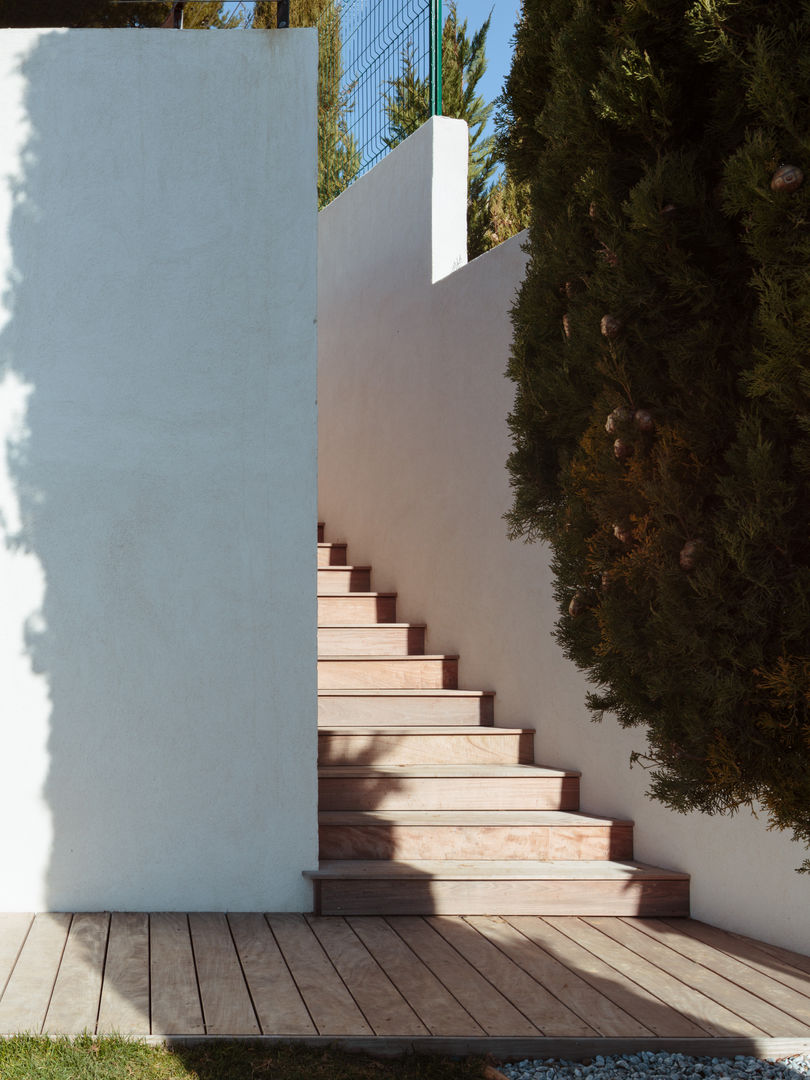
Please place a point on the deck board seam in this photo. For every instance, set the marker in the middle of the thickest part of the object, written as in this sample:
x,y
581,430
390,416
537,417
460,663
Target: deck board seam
x,y
290,973
678,978
430,920
17,957
196,973
748,990
56,974
547,989
635,982
244,974
307,918
584,977
407,944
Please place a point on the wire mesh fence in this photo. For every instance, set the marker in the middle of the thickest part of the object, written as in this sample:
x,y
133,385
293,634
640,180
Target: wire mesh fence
x,y
379,79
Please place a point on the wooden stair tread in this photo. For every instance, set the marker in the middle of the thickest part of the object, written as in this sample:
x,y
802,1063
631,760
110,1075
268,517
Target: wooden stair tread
x,y
376,625
494,869
470,818
353,595
405,692
341,569
424,729
446,772
391,659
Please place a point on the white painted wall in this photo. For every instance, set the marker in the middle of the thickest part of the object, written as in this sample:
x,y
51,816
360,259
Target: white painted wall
x,y
413,445
157,472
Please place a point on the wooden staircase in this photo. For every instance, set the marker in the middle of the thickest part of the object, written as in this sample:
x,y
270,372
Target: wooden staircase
x,y
425,807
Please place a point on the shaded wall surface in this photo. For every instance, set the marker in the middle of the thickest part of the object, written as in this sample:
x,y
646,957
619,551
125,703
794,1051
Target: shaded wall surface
x,y
157,469
413,444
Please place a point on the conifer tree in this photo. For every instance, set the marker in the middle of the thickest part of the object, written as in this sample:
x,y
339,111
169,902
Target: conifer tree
x,y
407,107
661,424
339,157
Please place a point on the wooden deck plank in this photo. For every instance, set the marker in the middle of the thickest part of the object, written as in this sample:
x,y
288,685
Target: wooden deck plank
x,y
646,1008
279,1006
74,1004
176,1007
713,1018
439,1010
382,1004
482,1001
530,997
28,992
14,927
330,1004
604,1016
227,1008
125,992
727,995
772,1006
779,964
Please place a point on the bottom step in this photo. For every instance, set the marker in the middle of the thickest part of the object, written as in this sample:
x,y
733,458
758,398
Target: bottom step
x,y
489,887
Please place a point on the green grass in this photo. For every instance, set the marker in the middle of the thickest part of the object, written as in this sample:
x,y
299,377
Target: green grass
x,y
28,1057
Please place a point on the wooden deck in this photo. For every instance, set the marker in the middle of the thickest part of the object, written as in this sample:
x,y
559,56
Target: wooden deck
x,y
513,985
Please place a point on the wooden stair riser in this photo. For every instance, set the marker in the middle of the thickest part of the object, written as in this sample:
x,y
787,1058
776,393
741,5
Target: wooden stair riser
x,y
427,707
413,673
339,580
379,640
331,554
406,842
320,532
429,896
357,609
485,746
446,793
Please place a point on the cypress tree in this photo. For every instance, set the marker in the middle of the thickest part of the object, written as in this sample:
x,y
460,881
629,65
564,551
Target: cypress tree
x,y
463,64
661,425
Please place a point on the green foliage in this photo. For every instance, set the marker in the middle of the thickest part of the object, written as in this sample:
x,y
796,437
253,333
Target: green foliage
x,y
103,13
109,13
339,157
648,132
407,107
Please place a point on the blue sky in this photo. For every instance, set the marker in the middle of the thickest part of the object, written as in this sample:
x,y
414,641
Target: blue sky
x,y
499,39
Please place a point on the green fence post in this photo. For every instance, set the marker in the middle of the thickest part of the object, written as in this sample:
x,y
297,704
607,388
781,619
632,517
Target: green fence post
x,y
435,57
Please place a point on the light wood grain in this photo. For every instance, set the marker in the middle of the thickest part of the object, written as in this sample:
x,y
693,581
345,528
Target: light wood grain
x,y
382,1004
372,707
482,1001
227,1009
331,554
773,1007
330,1004
647,1009
779,964
582,999
388,672
175,996
77,992
539,1006
14,927
338,580
125,993
357,608
426,745
28,991
440,1011
380,639
707,1014
278,1004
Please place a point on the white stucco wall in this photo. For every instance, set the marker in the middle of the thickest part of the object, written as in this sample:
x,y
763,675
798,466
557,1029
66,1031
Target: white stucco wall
x,y
413,445
157,469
